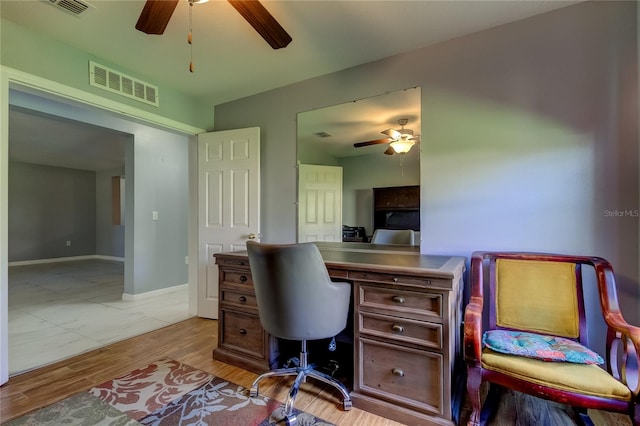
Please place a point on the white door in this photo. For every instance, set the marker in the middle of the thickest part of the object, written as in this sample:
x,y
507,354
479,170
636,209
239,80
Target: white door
x,y
228,203
319,203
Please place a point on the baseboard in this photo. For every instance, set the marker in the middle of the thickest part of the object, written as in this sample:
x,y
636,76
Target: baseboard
x,y
140,296
65,259
112,258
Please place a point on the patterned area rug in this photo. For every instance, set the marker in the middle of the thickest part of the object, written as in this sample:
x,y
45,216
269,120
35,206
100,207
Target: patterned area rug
x,y
168,393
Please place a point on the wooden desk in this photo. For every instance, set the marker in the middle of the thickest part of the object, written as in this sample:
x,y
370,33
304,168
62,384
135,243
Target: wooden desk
x,y
407,313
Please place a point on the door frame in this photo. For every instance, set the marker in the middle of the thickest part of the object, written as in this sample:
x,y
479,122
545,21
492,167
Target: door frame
x,y
12,78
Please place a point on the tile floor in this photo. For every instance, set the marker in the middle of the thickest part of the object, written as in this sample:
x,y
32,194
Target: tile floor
x,y
57,310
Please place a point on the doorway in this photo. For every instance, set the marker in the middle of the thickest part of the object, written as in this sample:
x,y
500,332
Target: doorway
x,y
156,253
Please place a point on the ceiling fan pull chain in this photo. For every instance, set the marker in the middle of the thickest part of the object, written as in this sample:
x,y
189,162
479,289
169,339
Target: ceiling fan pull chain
x,y
190,37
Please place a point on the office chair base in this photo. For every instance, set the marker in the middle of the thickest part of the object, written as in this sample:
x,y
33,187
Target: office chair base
x,y
301,373
307,372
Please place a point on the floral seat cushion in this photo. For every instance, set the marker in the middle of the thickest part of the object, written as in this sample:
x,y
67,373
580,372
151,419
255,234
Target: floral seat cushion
x,y
539,346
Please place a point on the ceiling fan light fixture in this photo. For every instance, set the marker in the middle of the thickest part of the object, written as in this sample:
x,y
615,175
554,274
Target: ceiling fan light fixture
x,y
402,146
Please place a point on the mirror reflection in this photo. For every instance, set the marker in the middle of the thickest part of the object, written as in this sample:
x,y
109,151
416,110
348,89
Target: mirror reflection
x,y
349,155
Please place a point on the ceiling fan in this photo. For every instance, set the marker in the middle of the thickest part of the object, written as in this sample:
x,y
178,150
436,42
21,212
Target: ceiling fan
x,y
156,15
400,141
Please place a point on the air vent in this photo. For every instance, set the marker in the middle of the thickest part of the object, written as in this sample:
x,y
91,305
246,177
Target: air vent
x,y
323,134
117,82
75,7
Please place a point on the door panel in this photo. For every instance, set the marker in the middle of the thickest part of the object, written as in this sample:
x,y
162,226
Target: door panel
x,y
319,203
229,203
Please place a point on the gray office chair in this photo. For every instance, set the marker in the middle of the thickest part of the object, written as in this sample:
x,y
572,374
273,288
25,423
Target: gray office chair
x,y
393,236
298,301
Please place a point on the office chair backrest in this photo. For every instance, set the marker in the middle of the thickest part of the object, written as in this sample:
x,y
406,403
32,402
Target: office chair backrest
x,y
296,298
393,236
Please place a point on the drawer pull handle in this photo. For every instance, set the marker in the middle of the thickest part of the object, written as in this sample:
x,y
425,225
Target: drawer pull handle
x,y
395,279
242,331
242,299
398,372
243,278
397,328
398,299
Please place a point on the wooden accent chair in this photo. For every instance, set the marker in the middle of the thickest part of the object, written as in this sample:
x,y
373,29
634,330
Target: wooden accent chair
x,y
543,294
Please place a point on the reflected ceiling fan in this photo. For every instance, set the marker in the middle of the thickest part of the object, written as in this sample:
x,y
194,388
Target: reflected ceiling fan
x,y
400,141
156,15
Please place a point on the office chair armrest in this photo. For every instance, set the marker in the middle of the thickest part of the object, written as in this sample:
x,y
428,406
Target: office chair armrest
x,y
473,330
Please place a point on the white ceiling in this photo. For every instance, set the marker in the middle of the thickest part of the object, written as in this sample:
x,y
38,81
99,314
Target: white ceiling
x,y
232,61
360,121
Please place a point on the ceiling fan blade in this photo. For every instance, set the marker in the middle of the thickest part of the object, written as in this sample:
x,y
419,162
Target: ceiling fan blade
x,y
394,134
155,16
263,22
390,151
375,142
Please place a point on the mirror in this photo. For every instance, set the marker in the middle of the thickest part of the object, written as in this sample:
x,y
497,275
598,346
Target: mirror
x,y
336,179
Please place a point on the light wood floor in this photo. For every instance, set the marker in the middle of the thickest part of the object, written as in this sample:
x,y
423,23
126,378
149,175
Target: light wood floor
x,y
190,342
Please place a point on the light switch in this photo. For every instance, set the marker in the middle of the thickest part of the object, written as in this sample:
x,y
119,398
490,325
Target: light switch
x,y
154,215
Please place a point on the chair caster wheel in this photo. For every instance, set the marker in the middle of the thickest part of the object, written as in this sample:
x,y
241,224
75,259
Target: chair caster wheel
x,y
253,392
291,420
346,405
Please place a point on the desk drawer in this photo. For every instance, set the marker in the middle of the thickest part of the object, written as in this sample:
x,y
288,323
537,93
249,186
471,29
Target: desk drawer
x,y
338,273
236,277
242,332
230,295
421,333
425,304
397,279
407,377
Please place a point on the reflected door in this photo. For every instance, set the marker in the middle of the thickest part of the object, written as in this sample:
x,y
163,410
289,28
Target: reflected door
x,y
228,203
319,203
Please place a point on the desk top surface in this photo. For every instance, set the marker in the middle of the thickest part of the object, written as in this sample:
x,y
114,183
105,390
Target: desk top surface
x,y
382,258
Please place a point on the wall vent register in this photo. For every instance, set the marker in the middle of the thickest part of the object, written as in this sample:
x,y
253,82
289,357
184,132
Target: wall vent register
x,y
117,82
75,7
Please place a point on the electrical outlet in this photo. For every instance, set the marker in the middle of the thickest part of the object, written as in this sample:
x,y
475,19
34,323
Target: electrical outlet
x,y
68,243
154,215
186,260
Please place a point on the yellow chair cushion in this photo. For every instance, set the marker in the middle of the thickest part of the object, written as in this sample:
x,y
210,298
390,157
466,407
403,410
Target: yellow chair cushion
x,y
537,296
587,379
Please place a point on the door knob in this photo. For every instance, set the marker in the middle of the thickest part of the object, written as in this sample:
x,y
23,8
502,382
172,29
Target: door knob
x,y
252,236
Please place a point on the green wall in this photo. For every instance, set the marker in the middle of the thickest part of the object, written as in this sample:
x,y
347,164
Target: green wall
x,y
35,54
